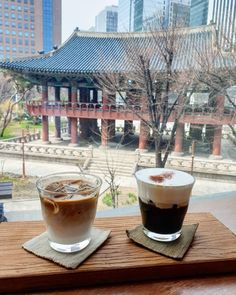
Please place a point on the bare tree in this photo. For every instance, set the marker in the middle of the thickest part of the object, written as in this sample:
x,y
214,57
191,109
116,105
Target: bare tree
x,y
217,73
154,82
13,90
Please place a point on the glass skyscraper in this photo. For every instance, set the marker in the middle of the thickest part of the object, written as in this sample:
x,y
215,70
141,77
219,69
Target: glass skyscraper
x,y
198,13
125,15
220,12
141,15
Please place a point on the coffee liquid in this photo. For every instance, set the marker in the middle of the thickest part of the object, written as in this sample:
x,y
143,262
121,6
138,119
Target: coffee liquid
x,y
162,220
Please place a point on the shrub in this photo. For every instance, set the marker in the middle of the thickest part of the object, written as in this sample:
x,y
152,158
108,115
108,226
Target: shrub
x,y
107,200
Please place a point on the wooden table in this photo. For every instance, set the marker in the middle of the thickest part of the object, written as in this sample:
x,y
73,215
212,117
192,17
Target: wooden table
x,y
210,284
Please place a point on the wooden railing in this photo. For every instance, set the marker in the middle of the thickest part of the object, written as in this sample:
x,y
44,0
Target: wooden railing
x,y
190,114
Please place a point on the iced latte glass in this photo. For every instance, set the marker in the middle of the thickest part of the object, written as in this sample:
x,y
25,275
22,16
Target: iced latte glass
x,y
69,204
163,198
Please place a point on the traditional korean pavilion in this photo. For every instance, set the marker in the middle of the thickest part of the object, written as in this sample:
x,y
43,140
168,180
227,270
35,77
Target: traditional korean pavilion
x,y
73,66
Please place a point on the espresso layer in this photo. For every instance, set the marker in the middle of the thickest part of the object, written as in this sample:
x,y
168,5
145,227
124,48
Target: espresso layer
x,y
162,221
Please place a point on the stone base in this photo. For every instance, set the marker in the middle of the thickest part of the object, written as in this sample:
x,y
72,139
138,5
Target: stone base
x,y
103,147
177,154
73,144
215,157
141,150
46,142
58,139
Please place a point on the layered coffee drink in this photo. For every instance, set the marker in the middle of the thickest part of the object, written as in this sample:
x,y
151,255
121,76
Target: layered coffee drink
x,y
163,198
69,203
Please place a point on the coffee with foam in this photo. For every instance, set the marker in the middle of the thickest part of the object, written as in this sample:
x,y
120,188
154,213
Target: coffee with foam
x,y
163,199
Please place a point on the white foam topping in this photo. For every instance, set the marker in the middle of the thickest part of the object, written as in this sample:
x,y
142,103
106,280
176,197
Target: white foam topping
x,y
164,187
174,177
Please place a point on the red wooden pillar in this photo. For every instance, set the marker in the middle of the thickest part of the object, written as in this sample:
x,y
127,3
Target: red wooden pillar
x,y
74,121
216,146
57,119
104,132
84,96
143,136
45,128
179,139
104,122
68,118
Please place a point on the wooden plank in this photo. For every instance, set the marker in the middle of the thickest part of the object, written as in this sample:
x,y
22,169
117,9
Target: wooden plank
x,y
119,260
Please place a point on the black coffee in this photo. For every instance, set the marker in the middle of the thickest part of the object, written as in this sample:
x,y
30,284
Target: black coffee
x,y
162,221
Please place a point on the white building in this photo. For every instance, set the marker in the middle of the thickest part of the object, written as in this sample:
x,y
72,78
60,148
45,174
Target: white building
x,y
107,19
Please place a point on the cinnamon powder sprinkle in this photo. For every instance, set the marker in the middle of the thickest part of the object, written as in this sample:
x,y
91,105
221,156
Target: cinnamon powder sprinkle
x,y
161,177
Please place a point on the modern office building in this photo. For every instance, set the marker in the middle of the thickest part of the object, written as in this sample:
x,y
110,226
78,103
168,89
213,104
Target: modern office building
x,y
125,15
142,15
220,12
107,19
199,12
29,26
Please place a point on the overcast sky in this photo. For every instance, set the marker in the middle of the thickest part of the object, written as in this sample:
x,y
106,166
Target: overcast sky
x,y
81,13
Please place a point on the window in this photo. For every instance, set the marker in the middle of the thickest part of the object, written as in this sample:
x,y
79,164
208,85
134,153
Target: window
x,y
14,49
6,15
13,15
19,8
20,34
26,26
26,34
8,48
32,18
13,7
26,17
32,43
13,33
26,42
1,39
6,6
19,25
20,42
7,40
26,9
32,2
19,16
13,24
32,26
32,35
25,1
13,41
7,32
19,1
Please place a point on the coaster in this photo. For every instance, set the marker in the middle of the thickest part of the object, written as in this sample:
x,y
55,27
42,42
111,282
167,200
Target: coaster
x,y
40,247
176,249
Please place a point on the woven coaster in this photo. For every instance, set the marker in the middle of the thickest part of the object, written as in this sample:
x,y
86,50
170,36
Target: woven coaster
x,y
40,247
176,249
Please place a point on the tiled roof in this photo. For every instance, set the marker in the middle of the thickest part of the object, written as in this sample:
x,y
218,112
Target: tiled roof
x,y
89,52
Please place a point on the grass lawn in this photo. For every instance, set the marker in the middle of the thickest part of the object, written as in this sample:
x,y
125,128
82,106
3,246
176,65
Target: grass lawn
x,y
15,129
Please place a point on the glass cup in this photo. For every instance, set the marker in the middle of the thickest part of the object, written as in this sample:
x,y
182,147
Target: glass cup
x,y
163,198
69,204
